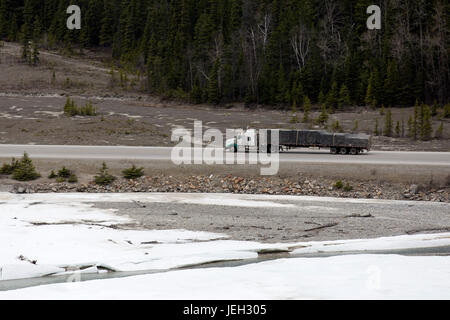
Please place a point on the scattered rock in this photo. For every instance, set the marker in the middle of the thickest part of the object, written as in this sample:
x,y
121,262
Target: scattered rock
x,y
414,189
244,185
20,190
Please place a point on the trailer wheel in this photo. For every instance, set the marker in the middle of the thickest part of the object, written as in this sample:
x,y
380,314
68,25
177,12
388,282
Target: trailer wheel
x,y
343,151
353,151
333,150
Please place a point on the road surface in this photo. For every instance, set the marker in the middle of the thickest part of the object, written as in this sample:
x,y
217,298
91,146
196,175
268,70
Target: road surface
x,y
164,154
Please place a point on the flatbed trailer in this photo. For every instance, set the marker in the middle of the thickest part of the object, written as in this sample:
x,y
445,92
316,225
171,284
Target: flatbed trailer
x,y
339,143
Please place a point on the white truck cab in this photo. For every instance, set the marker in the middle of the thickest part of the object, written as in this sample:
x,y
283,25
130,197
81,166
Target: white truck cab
x,y
243,140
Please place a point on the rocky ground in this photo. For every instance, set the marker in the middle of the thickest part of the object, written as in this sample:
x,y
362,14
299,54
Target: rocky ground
x,y
251,185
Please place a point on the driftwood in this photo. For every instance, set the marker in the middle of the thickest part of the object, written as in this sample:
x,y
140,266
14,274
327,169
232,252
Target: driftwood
x,y
329,225
23,258
368,215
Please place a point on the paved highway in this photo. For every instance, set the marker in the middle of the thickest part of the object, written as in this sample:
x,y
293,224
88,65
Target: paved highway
x,y
164,153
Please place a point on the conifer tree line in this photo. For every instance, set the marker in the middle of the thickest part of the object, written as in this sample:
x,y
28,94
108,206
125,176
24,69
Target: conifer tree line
x,y
419,124
274,52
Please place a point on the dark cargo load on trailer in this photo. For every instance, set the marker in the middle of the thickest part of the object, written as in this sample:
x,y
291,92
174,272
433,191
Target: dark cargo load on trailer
x,y
342,143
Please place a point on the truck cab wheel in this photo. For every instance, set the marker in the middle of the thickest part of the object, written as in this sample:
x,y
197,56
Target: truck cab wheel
x,y
333,150
353,151
343,150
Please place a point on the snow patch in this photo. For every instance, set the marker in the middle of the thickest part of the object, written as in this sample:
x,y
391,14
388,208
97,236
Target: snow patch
x,y
358,277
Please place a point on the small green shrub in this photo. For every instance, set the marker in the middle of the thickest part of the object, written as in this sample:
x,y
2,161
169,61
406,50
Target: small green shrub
x,y
446,111
71,109
294,117
72,178
133,172
9,168
25,171
336,127
323,117
64,173
348,187
52,175
339,185
104,177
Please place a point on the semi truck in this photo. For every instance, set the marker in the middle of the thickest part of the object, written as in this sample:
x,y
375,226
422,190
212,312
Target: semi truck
x,y
265,139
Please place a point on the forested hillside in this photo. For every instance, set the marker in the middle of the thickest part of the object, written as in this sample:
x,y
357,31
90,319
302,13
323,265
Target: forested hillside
x,y
274,52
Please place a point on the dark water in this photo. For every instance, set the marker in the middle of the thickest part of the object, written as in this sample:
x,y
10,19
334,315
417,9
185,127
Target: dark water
x,y
25,283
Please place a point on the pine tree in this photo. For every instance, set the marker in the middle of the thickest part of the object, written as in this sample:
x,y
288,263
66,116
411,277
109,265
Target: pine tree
x,y
321,98
214,90
397,129
434,109
439,131
403,127
197,92
236,15
93,23
411,127
27,27
26,50
369,93
333,96
306,109
388,124
427,127
294,117
374,104
415,122
104,177
323,117
376,131
35,54
374,88
344,97
107,30
4,18
297,93
281,86
446,111
25,170
391,84
355,126
27,32
14,28
336,126
133,172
